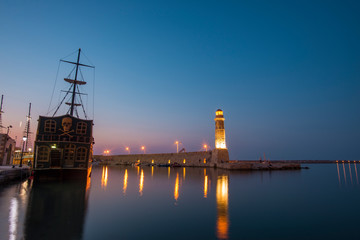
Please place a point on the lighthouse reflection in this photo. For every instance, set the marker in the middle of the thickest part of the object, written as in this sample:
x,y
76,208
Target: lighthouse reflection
x,y
56,210
222,201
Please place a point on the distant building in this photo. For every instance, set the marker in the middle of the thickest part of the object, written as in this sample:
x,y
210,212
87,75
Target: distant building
x,y
27,158
7,148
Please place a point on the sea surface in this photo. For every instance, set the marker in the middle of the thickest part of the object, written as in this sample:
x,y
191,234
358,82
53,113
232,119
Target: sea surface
x,y
322,202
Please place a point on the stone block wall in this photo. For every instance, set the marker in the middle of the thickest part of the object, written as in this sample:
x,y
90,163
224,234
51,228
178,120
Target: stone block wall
x,y
192,159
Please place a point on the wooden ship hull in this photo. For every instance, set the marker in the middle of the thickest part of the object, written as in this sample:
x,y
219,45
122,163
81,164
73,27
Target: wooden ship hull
x,y
63,147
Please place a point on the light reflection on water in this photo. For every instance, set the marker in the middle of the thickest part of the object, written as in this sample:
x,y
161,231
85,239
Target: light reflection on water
x,y
176,188
13,218
344,176
125,181
222,201
132,205
141,183
104,177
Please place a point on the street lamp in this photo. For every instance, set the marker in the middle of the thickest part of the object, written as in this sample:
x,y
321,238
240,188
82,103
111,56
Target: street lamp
x,y
127,149
177,146
22,150
206,147
106,152
143,148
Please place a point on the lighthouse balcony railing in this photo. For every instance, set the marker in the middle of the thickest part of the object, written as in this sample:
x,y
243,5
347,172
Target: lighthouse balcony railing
x,y
62,138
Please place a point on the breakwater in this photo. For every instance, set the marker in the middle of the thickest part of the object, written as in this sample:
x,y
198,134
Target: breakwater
x,y
218,158
191,159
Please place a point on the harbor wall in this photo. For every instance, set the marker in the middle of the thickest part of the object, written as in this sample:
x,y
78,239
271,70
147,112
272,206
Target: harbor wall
x,y
191,159
8,173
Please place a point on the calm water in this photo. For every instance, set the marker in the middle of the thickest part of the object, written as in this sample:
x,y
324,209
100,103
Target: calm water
x,y
193,203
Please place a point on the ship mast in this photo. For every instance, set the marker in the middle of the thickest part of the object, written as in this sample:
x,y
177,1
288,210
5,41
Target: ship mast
x,y
75,83
27,129
1,112
74,88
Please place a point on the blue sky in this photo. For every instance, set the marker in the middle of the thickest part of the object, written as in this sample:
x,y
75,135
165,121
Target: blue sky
x,y
286,73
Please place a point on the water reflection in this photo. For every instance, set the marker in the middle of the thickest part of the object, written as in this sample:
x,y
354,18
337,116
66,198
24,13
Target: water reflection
x,y
125,181
56,210
222,196
141,183
337,166
184,173
176,188
357,179
13,218
205,186
350,173
345,174
344,171
104,177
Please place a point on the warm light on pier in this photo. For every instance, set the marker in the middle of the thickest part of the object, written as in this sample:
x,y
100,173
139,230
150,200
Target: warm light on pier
x,y
106,152
143,149
205,146
177,146
127,149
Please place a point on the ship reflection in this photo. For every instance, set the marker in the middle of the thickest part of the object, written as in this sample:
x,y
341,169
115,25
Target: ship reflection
x,y
222,201
56,210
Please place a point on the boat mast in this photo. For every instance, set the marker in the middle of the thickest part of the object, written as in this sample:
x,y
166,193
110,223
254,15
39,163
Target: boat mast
x,y
27,128
74,88
1,112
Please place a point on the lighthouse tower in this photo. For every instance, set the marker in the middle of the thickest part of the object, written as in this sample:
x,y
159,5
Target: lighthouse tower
x,y
220,142
220,154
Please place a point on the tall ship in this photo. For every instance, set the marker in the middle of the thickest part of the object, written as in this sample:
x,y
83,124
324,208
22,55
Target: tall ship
x,y
64,143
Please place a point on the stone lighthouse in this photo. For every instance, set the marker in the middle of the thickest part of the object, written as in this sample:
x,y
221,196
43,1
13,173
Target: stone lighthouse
x,y
220,142
220,154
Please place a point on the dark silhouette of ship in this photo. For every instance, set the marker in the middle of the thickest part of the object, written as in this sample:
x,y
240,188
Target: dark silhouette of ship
x,y
63,144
